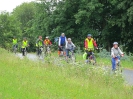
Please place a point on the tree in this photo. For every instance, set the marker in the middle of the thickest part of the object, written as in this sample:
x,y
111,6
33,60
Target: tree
x,y
9,27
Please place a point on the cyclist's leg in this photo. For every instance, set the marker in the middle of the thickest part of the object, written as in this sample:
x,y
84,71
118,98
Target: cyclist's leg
x,y
16,45
46,50
36,50
93,55
59,50
67,53
113,64
22,49
13,48
64,50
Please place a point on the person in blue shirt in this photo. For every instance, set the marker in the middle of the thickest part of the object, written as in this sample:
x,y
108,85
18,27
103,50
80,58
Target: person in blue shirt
x,y
62,43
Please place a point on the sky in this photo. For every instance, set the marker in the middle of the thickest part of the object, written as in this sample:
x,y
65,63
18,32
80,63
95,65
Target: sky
x,y
9,5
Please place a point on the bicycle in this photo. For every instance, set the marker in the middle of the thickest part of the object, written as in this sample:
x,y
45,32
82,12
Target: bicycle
x,y
24,51
91,57
62,51
40,52
15,49
71,57
47,51
117,64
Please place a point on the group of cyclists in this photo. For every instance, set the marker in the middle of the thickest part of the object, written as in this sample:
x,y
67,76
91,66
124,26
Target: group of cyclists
x,y
65,45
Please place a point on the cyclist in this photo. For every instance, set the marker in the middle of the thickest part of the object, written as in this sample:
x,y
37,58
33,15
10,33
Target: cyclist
x,y
15,42
47,43
39,44
89,46
69,47
115,53
24,45
62,43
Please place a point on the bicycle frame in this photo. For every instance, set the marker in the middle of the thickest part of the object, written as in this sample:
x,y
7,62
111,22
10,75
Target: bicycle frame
x,y
71,56
63,51
24,51
47,50
15,49
40,51
117,63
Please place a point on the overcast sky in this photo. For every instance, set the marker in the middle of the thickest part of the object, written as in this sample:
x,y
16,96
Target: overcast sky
x,y
9,5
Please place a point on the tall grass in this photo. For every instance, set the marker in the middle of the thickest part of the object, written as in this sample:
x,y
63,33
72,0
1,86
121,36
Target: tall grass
x,y
25,79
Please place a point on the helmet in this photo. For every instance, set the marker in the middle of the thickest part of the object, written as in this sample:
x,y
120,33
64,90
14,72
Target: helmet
x,y
62,33
69,39
89,35
115,43
47,37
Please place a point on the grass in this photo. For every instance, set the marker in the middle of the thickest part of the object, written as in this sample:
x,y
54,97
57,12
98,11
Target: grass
x,y
25,79
107,62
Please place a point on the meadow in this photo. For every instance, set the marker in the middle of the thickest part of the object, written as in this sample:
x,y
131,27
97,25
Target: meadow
x,y
26,79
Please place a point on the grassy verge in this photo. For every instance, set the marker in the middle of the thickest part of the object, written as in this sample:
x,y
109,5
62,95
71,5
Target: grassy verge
x,y
107,62
25,79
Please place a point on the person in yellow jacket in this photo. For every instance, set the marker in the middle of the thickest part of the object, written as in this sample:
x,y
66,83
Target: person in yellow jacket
x,y
24,45
90,45
15,42
39,44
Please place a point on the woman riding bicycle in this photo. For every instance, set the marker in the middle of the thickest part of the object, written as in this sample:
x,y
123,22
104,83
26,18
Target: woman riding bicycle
x,y
24,45
89,46
47,44
69,47
15,42
115,53
39,44
62,43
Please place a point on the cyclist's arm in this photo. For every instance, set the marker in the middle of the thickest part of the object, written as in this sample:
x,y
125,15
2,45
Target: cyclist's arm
x,y
73,45
44,42
86,44
65,40
112,53
50,43
27,44
121,53
94,43
59,42
66,46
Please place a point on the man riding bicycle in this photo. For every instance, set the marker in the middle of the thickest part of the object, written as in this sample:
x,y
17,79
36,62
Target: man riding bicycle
x,y
89,46
39,44
69,47
115,53
24,45
62,43
47,43
15,42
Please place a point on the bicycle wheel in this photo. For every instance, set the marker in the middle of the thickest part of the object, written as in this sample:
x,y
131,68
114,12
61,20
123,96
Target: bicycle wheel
x,y
73,58
119,69
25,52
15,50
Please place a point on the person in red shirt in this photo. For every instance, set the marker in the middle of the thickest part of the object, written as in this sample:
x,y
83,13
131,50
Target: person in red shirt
x,y
47,44
47,41
90,45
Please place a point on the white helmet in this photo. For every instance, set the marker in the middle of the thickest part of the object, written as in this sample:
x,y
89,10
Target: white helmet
x,y
47,37
69,39
62,33
115,43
